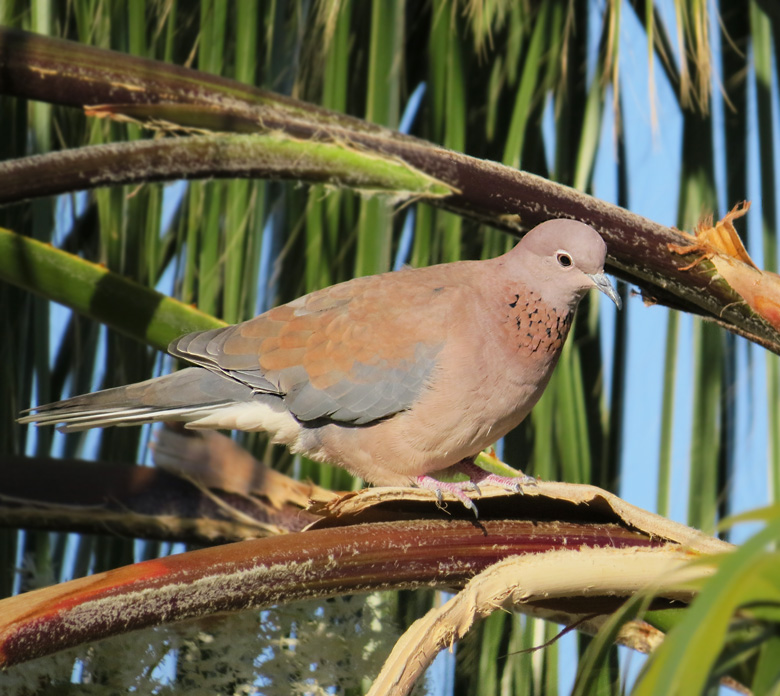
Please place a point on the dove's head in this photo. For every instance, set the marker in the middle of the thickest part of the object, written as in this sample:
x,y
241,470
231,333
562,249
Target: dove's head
x,y
564,259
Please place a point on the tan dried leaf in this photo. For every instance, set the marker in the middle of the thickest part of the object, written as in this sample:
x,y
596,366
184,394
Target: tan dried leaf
x,y
722,246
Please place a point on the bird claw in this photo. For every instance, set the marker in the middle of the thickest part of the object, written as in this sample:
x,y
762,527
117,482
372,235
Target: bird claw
x,y
478,475
456,488
469,504
513,483
459,488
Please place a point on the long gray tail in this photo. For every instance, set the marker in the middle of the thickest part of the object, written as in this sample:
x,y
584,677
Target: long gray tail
x,y
181,396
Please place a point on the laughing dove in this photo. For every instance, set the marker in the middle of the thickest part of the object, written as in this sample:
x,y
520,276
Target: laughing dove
x,y
394,377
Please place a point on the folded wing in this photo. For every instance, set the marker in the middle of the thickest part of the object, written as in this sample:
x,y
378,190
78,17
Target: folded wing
x,y
353,353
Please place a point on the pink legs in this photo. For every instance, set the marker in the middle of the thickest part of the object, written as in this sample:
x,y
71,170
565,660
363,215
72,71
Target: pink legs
x,y
476,476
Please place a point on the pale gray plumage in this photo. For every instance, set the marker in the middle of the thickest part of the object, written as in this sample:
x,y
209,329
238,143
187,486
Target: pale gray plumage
x,y
395,377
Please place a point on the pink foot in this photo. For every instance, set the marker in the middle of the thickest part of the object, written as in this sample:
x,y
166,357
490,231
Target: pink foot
x,y
457,488
476,476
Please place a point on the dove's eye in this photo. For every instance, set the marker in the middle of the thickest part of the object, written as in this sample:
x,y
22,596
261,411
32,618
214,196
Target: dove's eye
x,y
564,259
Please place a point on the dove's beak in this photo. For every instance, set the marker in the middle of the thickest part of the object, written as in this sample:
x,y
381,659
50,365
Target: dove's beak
x,y
602,282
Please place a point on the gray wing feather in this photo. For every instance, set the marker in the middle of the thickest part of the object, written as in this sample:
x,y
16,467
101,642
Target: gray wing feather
x,y
171,397
205,348
368,394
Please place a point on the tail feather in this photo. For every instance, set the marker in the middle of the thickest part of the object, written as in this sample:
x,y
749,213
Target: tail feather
x,y
182,396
